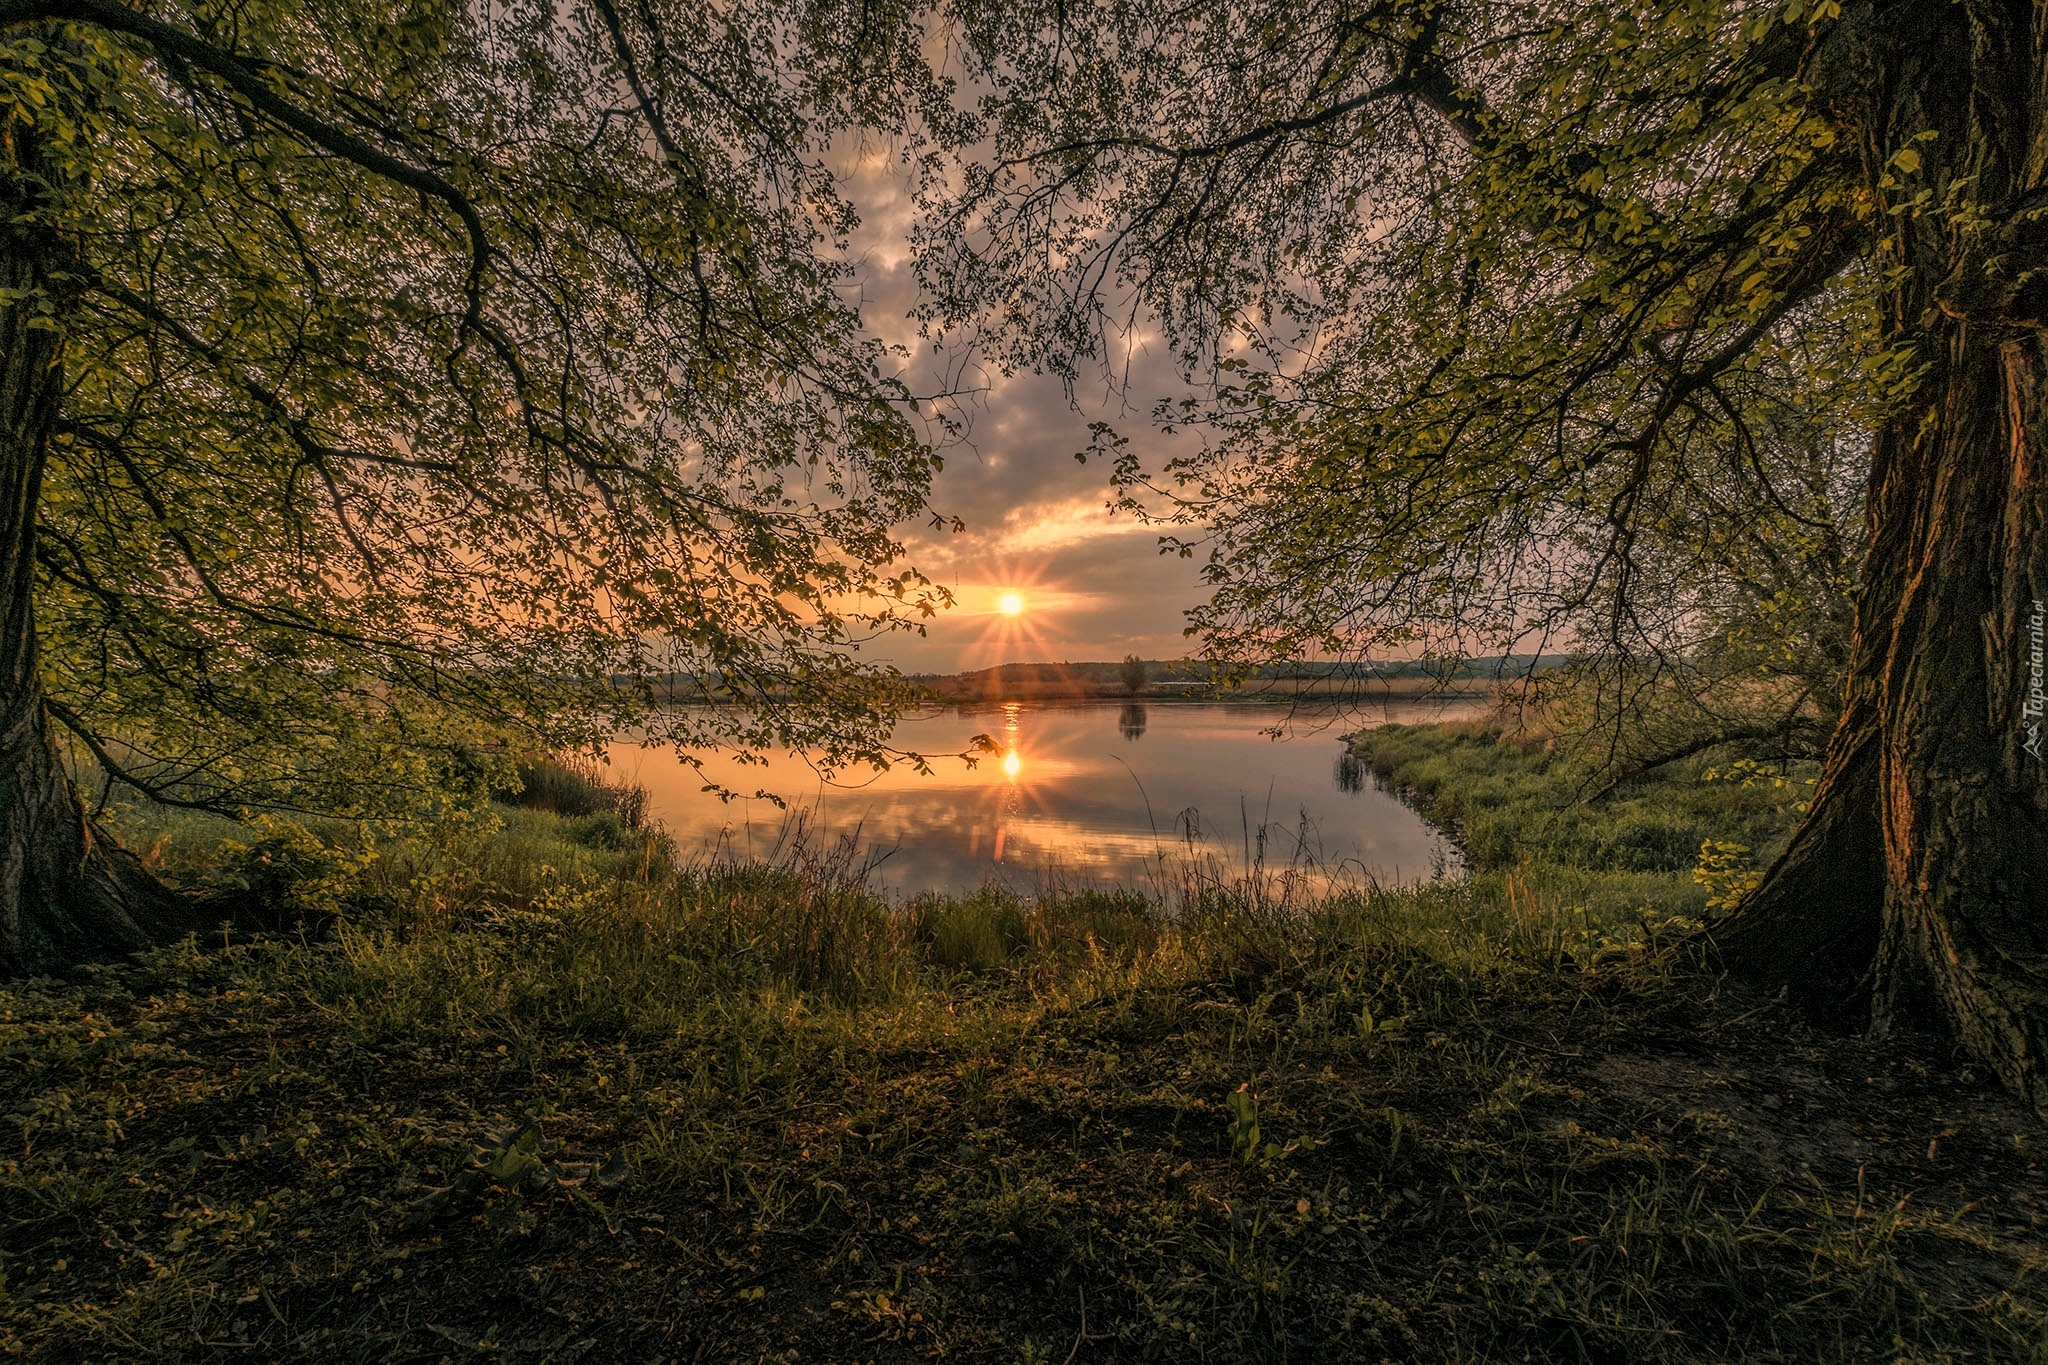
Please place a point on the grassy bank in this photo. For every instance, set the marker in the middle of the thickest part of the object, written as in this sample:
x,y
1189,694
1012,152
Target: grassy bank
x,y
527,1089
1679,838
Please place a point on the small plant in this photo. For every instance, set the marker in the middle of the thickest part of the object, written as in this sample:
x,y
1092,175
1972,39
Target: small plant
x,y
1247,1138
285,872
1727,873
1244,1125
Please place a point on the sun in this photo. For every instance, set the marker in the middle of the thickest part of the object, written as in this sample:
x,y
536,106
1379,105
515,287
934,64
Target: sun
x,y
1012,608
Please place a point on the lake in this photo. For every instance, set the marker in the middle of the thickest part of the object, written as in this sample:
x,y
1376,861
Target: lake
x,y
1079,794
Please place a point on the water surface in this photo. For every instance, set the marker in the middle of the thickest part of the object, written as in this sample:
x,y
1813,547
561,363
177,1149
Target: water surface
x,y
1077,794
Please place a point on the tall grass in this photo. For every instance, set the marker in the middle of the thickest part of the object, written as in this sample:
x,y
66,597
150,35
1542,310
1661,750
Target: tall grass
x,y
578,787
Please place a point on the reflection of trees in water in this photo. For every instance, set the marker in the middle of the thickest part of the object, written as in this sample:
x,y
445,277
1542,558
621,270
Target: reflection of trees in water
x,y
1350,772
1130,721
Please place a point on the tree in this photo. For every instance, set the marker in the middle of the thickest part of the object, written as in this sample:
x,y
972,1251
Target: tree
x,y
385,385
1482,281
1131,673
1740,621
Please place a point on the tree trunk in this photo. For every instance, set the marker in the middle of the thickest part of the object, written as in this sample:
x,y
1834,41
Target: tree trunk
x,y
1811,931
65,895
1919,880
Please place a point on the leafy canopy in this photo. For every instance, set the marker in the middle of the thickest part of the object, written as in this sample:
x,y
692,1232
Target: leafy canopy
x,y
1526,324
441,374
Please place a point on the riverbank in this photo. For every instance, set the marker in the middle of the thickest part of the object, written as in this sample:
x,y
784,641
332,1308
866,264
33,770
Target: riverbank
x,y
1512,802
536,1091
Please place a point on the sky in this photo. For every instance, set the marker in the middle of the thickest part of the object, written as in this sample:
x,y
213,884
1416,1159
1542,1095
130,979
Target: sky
x,y
1094,586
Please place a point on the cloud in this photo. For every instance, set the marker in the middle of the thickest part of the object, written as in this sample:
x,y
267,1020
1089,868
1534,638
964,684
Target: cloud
x,y
1034,517
1056,524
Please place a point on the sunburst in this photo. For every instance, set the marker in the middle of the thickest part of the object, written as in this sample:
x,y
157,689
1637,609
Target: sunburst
x,y
1016,611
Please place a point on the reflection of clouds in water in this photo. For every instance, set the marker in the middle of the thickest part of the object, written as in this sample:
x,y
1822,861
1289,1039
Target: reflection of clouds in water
x,y
1070,793
918,853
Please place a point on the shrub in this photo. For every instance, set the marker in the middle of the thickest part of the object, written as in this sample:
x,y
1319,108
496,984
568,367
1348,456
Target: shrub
x,y
284,873
577,787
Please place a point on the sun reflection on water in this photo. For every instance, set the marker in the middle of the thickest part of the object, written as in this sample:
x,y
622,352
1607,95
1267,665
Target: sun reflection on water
x,y
1092,802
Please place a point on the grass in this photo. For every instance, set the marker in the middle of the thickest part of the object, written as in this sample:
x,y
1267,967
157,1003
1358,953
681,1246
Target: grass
x,y
1514,803
581,789
541,1093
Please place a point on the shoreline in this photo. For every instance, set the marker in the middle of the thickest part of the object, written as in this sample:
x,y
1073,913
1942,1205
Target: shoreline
x,y
1266,692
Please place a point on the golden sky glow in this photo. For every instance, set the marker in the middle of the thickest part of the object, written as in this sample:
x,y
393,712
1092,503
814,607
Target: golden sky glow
x,y
1094,585
1016,614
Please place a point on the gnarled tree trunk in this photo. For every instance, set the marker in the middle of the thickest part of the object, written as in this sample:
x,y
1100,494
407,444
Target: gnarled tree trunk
x,y
1917,890
65,895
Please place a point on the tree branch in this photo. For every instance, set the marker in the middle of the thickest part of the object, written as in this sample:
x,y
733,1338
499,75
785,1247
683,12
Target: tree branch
x,y
246,79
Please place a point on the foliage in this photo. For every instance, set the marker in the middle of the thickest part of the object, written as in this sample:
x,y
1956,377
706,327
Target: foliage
x,y
1726,871
1530,326
557,1100
438,378
286,872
